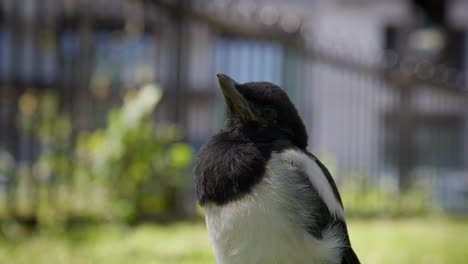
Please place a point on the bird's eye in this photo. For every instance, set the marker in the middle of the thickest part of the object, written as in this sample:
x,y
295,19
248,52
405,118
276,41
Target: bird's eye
x,y
269,113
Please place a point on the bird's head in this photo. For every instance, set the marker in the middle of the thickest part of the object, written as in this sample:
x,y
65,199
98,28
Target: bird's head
x,y
261,112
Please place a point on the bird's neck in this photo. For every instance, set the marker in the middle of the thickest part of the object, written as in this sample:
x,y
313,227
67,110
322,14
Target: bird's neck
x,y
253,134
228,167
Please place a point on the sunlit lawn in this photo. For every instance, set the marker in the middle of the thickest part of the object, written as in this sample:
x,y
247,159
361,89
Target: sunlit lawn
x,y
431,240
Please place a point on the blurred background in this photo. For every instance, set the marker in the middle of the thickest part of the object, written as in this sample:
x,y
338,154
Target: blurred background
x,y
104,104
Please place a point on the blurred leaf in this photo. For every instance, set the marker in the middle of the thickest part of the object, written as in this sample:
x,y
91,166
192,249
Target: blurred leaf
x,y
28,103
180,155
128,168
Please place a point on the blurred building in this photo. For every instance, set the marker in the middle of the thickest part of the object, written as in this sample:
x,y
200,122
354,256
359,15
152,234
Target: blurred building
x,y
356,118
365,30
331,56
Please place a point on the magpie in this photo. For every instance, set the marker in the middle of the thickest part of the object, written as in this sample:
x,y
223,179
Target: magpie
x,y
267,199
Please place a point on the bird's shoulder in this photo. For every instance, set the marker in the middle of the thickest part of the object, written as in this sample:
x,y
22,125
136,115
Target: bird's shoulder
x,y
310,167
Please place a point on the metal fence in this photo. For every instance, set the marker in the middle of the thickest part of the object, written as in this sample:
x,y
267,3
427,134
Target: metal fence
x,y
390,119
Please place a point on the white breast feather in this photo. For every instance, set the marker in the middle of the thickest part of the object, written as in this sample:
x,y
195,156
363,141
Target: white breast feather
x,y
259,228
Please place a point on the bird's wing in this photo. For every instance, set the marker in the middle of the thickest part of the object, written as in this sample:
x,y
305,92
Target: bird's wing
x,y
329,207
327,176
349,257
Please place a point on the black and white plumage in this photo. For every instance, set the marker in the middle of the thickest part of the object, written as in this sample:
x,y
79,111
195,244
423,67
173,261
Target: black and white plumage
x,y
266,198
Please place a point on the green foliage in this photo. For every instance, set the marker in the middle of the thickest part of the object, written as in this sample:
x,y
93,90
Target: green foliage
x,y
130,168
143,165
39,189
364,198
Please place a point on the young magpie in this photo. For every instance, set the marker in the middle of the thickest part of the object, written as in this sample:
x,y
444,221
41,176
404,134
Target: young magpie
x,y
266,198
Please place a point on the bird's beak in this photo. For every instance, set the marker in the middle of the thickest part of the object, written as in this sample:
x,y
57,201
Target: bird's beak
x,y
234,100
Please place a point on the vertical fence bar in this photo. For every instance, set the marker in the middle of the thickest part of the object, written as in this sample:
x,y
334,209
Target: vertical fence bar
x,y
180,55
406,152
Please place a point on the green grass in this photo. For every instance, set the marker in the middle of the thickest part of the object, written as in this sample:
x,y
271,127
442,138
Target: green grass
x,y
431,240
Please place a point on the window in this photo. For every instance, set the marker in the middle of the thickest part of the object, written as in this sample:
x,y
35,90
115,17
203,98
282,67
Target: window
x,y
124,60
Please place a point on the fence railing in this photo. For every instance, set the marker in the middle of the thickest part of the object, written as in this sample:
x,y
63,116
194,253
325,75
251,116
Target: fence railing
x,y
380,123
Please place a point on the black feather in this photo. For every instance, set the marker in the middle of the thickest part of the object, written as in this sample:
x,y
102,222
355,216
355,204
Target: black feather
x,y
227,169
349,257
